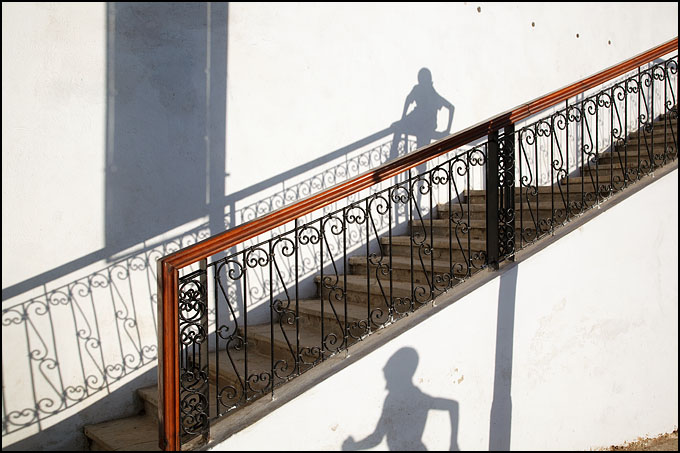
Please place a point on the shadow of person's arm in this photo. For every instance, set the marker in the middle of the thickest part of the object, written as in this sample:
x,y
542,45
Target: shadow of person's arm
x,y
452,407
410,99
443,103
370,441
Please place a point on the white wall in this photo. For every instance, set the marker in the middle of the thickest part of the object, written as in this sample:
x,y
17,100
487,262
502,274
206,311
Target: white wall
x,y
258,98
573,349
53,135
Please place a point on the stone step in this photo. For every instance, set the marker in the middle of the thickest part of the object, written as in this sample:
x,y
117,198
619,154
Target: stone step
x,y
149,396
602,169
401,246
617,162
436,242
476,229
631,155
230,384
136,433
599,179
284,344
478,210
660,129
228,376
402,270
605,173
402,293
311,312
645,144
527,194
238,386
585,185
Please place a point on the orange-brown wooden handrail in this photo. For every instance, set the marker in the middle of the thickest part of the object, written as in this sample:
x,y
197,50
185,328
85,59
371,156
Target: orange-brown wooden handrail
x,y
168,267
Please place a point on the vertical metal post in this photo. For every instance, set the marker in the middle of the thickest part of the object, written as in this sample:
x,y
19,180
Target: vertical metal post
x,y
492,201
509,191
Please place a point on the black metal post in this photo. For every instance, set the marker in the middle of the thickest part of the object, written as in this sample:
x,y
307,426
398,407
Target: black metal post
x,y
203,358
509,190
492,201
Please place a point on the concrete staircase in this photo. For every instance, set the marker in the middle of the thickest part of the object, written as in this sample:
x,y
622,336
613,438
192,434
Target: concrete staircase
x,y
140,432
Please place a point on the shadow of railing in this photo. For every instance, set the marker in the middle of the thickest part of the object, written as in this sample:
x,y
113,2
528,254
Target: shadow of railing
x,y
112,310
77,332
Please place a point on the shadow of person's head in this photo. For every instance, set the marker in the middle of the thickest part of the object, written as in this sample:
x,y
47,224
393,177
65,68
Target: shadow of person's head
x,y
400,368
425,77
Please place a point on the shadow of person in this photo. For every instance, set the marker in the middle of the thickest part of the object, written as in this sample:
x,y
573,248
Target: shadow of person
x,y
421,121
405,410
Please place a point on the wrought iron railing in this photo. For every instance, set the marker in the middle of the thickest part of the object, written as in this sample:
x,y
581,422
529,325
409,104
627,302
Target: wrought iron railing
x,y
412,229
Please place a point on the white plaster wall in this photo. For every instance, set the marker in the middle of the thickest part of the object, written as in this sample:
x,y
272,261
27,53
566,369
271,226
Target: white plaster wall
x,y
302,81
307,78
53,135
593,359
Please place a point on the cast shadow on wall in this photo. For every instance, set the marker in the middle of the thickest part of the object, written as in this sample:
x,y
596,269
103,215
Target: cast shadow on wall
x,y
165,168
406,407
402,422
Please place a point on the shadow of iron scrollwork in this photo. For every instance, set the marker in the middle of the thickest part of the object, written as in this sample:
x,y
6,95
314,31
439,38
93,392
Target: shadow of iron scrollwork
x,y
83,339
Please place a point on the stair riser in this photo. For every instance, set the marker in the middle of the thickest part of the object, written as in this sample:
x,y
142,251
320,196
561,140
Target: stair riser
x,y
262,345
332,340
378,301
334,326
151,410
544,208
648,147
475,234
658,133
544,211
359,296
628,160
603,172
438,253
543,198
282,350
572,192
404,275
313,320
95,446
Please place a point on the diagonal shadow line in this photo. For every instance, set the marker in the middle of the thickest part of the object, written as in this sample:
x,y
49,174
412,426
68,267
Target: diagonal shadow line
x,y
106,253
105,279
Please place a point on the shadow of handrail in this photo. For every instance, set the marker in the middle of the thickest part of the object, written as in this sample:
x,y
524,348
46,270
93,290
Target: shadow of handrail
x,y
115,307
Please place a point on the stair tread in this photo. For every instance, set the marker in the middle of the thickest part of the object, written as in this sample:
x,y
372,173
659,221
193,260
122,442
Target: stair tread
x,y
401,262
139,432
313,307
481,207
256,361
359,281
656,132
308,336
439,241
442,223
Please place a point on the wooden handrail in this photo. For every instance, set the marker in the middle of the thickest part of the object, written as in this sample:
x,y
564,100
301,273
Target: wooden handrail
x,y
234,236
168,267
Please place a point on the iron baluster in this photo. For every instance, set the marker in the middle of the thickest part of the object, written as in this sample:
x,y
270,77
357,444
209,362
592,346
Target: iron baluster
x,y
492,201
297,302
509,191
368,272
